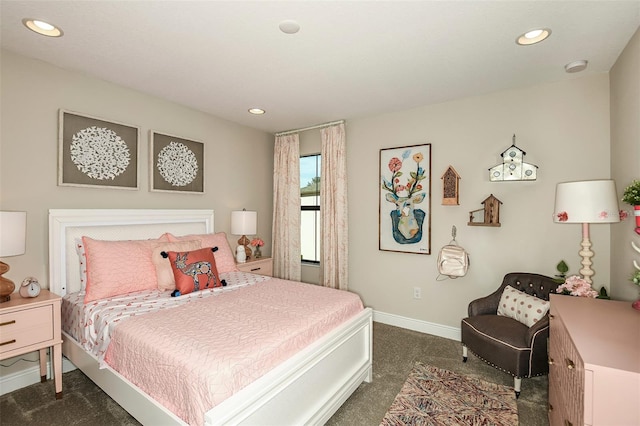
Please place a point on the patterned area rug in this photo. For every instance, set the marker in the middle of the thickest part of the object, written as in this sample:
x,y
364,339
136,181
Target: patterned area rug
x,y
433,396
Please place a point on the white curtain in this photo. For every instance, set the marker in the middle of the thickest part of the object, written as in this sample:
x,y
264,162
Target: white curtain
x,y
333,209
286,208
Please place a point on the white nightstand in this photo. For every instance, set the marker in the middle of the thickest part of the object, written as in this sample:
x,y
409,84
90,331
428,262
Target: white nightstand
x,y
33,324
262,266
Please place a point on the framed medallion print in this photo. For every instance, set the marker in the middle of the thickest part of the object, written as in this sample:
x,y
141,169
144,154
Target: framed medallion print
x,y
176,164
405,199
94,152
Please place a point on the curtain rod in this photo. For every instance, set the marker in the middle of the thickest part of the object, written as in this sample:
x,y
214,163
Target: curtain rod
x,y
317,126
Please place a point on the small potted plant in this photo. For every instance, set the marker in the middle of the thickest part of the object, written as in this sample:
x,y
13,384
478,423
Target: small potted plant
x,y
631,196
257,243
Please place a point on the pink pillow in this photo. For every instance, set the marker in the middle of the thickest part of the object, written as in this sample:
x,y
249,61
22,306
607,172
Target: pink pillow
x,y
118,267
164,272
194,270
224,256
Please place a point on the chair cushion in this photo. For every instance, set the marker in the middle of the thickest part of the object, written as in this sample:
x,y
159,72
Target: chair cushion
x,y
496,329
499,341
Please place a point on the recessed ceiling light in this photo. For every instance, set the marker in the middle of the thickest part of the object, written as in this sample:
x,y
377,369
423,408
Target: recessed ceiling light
x,y
42,27
533,36
576,66
289,26
256,111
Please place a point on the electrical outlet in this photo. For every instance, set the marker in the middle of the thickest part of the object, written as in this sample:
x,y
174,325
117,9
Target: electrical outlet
x,y
417,293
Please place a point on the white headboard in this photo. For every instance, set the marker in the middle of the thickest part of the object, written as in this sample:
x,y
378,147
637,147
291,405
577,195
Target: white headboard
x,y
110,224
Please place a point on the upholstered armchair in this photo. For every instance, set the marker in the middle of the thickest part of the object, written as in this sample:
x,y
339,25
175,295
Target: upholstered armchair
x,y
505,340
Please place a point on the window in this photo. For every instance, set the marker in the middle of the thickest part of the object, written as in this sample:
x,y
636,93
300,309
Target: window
x,y
310,208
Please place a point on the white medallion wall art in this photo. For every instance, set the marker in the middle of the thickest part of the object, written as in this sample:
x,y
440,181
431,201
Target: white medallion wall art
x,y
405,199
177,164
97,153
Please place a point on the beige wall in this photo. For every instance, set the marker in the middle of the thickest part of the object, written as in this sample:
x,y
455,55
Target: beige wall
x,y
625,162
564,129
238,160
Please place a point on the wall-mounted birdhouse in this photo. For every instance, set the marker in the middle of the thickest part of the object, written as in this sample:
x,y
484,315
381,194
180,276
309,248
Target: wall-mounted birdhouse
x,y
513,166
450,188
487,216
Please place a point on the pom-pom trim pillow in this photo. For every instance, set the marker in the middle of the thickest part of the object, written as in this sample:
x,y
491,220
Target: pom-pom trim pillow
x,y
164,271
522,307
225,261
194,270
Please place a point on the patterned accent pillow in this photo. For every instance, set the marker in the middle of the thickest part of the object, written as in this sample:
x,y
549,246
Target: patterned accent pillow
x,y
118,267
522,307
225,260
164,272
194,270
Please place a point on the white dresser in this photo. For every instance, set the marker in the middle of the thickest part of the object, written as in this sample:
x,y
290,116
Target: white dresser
x,y
594,362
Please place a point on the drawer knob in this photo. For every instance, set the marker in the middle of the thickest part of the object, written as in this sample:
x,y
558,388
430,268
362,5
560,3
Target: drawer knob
x,y
550,407
551,316
7,323
8,342
255,269
551,362
569,363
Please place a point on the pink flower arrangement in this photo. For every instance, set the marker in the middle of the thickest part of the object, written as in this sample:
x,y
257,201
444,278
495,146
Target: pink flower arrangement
x,y
577,286
257,242
563,217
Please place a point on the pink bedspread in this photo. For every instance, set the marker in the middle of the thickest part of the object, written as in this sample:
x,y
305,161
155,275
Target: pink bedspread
x,y
192,357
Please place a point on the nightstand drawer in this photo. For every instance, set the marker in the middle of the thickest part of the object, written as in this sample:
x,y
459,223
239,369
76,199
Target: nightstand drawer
x,y
262,266
25,327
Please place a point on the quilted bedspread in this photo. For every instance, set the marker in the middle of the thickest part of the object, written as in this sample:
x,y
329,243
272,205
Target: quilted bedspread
x,y
192,357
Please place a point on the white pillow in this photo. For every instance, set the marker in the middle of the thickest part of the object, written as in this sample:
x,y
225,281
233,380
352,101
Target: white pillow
x,y
522,307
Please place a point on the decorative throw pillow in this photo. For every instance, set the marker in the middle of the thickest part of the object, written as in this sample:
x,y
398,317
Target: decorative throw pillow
x,y
194,270
225,260
522,307
164,272
118,267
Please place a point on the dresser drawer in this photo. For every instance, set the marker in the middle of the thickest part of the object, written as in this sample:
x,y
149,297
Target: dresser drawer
x,y
26,327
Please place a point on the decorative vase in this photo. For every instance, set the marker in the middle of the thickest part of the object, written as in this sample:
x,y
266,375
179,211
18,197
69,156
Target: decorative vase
x,y
257,253
636,305
636,212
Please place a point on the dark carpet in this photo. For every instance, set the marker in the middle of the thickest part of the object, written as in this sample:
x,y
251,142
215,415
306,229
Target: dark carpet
x,y
396,351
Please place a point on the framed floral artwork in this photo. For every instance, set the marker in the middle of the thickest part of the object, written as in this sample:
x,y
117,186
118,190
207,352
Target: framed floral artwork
x,y
405,199
97,153
177,164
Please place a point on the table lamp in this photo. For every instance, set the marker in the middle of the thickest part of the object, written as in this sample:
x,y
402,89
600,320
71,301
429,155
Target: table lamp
x,y
585,202
244,223
13,230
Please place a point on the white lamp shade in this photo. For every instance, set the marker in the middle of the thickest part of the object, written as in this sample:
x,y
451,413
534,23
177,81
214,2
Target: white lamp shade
x,y
13,232
592,201
244,222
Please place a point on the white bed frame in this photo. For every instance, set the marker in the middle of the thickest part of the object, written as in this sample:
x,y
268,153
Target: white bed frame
x,y
306,389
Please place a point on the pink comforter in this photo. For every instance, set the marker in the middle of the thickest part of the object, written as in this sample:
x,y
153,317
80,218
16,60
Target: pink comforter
x,y
192,357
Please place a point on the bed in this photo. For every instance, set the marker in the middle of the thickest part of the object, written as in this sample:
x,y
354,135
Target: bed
x,y
306,388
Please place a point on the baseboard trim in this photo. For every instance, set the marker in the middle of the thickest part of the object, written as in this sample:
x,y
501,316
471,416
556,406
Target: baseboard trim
x,y
440,330
29,376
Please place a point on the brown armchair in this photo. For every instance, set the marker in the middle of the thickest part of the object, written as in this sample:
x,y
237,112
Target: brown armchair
x,y
504,342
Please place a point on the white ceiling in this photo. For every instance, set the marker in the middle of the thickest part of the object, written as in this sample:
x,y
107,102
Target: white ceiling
x,y
349,60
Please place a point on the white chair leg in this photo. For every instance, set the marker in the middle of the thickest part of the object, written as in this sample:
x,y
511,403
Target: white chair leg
x,y
517,383
464,353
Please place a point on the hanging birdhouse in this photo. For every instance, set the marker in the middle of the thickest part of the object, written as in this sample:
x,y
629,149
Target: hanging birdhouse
x,y
450,188
487,216
513,166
